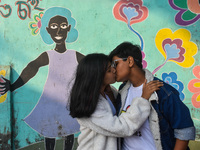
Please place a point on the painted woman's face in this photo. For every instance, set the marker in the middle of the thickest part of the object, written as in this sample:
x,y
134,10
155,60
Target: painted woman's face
x,y
58,28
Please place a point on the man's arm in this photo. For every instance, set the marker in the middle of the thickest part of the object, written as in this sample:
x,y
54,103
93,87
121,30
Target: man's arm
x,y
180,120
181,145
183,136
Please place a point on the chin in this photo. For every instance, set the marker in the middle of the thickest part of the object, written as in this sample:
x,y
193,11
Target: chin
x,y
113,82
118,80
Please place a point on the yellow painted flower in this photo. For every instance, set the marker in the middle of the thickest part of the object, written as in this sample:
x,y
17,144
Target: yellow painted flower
x,y
2,97
176,47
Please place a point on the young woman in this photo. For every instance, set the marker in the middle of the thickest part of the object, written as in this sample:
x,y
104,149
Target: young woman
x,y
92,101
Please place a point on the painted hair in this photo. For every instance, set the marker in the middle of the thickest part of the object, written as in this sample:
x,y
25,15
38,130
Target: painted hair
x,y
86,89
52,12
126,49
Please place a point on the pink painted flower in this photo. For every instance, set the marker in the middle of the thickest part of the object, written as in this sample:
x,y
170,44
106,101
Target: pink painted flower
x,y
130,11
144,63
194,87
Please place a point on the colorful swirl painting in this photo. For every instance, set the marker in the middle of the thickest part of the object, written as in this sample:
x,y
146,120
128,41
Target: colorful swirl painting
x,y
176,47
194,87
131,12
188,11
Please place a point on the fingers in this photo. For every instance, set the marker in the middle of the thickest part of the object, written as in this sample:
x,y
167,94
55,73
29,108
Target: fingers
x,y
2,80
155,84
2,88
145,82
150,87
2,91
4,85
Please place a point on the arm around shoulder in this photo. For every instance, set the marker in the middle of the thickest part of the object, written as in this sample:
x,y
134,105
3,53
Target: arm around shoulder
x,y
102,121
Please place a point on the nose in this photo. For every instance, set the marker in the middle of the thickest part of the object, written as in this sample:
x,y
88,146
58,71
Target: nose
x,y
58,31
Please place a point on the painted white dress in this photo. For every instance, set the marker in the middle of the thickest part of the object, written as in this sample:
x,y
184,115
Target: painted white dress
x,y
50,117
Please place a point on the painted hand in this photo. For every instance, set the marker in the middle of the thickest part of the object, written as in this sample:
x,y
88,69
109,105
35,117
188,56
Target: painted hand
x,y
4,85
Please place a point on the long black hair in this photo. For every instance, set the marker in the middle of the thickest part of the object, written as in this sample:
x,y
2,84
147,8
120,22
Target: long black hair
x,y
86,89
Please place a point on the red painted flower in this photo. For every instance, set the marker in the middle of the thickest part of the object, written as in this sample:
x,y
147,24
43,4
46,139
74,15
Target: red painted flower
x,y
130,11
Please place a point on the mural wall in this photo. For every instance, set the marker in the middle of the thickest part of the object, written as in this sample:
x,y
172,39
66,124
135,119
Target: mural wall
x,y
41,43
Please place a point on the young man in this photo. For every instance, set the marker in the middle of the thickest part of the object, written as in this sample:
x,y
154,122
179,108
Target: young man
x,y
169,126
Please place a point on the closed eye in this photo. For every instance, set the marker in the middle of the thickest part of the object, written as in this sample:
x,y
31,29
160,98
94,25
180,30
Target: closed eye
x,y
116,63
109,70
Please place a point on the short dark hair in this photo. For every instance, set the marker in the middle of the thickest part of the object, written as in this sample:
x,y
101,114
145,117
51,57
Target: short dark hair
x,y
126,49
86,89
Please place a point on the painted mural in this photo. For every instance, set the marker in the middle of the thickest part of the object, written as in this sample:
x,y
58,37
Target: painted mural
x,y
50,117
132,12
42,43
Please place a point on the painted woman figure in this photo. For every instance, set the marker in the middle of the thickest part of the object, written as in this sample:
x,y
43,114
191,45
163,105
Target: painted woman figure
x,y
50,117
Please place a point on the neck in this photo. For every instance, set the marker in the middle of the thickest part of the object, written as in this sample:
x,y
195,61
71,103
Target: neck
x,y
61,48
137,77
102,91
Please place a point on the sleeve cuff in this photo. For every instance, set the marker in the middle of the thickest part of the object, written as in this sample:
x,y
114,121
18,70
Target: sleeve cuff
x,y
185,133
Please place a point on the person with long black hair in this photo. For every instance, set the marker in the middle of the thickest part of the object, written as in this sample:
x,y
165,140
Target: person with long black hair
x,y
92,102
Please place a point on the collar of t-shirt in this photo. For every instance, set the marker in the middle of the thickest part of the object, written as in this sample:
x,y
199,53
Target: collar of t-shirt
x,y
132,93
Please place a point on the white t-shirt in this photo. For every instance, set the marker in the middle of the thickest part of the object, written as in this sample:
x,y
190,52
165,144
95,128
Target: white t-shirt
x,y
142,139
